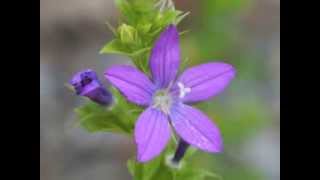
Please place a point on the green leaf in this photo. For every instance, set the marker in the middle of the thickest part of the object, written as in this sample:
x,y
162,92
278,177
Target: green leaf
x,y
144,28
125,110
166,17
119,117
140,51
96,118
114,47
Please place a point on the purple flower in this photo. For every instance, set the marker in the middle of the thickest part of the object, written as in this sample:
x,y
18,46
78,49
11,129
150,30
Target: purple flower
x,y
86,83
166,98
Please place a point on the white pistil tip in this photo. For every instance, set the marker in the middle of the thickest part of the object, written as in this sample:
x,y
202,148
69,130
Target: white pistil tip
x,y
172,164
183,90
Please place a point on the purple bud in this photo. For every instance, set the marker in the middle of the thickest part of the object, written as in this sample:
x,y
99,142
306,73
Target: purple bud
x,y
86,83
180,152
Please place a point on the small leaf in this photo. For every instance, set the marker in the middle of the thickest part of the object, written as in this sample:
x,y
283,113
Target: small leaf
x,y
114,47
144,28
140,51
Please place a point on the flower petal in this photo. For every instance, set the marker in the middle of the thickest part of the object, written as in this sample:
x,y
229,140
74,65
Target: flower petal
x,y
196,128
132,83
165,57
204,81
152,133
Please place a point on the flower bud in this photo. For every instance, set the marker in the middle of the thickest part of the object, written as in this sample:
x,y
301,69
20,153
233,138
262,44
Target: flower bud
x,y
86,83
127,33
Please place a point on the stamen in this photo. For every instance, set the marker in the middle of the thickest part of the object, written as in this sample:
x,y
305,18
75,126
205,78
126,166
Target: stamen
x,y
183,90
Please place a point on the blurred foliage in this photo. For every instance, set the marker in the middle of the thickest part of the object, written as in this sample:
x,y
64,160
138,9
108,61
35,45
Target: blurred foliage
x,y
218,34
243,112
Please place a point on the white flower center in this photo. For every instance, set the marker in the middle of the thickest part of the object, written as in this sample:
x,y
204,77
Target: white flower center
x,y
183,90
162,100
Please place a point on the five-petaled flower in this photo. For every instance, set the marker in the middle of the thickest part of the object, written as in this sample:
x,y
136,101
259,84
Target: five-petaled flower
x,y
166,98
86,83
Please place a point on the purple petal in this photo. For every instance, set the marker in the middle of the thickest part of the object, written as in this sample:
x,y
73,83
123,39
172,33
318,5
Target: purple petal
x,y
86,83
196,128
204,81
165,57
152,133
132,83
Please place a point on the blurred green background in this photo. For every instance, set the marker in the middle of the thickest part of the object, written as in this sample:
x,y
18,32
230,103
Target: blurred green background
x,y
244,33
